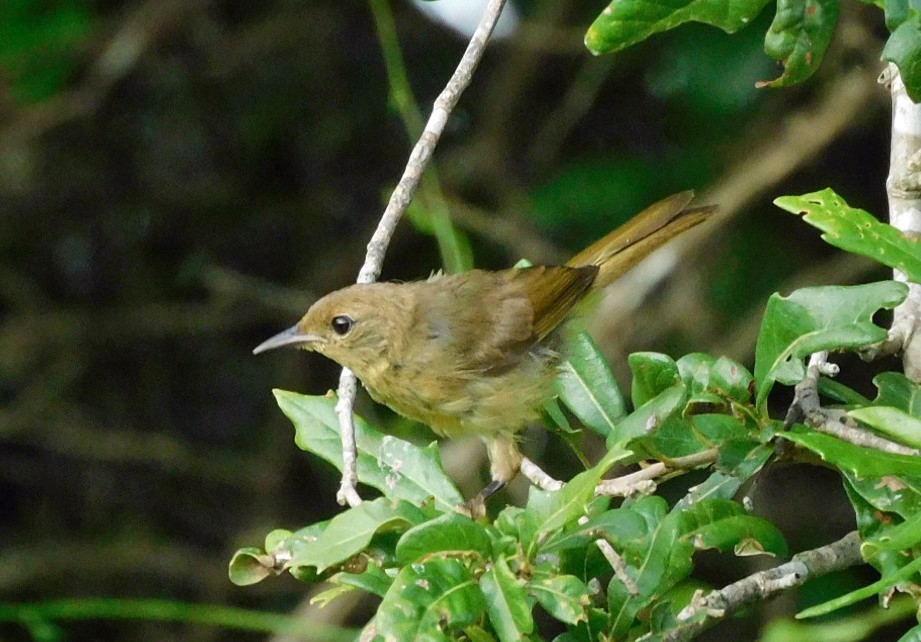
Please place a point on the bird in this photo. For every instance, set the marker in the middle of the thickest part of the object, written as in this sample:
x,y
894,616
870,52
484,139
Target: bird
x,y
476,353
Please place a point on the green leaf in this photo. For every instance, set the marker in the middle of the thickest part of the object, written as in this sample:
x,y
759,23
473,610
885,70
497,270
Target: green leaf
x,y
731,379
374,580
897,538
816,319
652,374
626,22
859,461
249,566
892,493
856,230
666,560
799,37
717,485
451,533
351,531
409,472
896,390
553,510
587,386
427,601
891,421
565,597
904,49
649,416
727,526
864,593
506,602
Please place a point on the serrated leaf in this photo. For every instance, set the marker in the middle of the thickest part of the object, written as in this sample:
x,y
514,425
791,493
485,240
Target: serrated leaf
x,y
626,22
419,475
451,532
506,603
799,36
893,422
587,386
904,50
863,462
652,373
856,230
427,601
896,390
816,319
351,531
565,597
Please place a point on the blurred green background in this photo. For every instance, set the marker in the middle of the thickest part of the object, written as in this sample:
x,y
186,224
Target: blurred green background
x,y
179,180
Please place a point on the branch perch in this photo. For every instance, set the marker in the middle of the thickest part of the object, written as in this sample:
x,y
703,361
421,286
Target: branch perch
x,y
642,480
402,195
706,610
807,408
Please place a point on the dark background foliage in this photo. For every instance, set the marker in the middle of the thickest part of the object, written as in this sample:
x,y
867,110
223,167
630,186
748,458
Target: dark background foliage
x,y
179,180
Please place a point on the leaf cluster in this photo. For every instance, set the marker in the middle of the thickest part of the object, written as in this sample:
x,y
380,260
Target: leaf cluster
x,y
615,571
798,37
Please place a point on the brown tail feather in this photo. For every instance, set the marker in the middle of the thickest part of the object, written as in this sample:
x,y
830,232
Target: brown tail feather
x,y
631,242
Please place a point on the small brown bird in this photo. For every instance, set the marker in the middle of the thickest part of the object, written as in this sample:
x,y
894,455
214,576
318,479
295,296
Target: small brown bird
x,y
476,353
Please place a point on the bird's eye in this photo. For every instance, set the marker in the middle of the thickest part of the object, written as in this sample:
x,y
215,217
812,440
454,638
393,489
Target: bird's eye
x,y
342,324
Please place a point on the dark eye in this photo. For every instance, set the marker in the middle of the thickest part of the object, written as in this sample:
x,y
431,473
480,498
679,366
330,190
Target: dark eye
x,y
342,324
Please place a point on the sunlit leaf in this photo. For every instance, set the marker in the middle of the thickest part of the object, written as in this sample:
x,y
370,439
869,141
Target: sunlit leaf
x,y
816,319
429,600
856,230
351,531
587,386
408,472
626,22
565,597
860,461
506,602
451,532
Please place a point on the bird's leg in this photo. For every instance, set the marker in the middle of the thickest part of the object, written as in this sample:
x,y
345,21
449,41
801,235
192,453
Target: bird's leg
x,y
506,461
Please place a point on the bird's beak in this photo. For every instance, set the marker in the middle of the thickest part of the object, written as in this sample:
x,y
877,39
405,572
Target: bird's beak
x,y
290,337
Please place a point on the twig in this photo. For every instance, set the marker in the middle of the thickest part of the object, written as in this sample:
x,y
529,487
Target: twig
x,y
642,480
618,565
807,408
705,610
399,201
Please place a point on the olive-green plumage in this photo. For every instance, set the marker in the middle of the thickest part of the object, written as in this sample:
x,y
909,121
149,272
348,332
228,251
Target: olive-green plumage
x,y
475,353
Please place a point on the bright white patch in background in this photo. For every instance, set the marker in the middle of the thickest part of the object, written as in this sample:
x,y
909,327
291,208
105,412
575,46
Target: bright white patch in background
x,y
463,16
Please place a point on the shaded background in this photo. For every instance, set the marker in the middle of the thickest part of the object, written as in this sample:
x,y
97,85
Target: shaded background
x,y
179,180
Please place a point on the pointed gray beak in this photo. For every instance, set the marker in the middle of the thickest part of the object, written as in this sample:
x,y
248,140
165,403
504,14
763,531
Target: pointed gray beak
x,y
290,337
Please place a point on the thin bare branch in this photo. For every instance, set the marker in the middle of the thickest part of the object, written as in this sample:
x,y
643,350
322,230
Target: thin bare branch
x,y
400,199
706,610
643,480
807,408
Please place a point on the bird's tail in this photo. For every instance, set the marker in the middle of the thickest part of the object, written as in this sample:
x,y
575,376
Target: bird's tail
x,y
634,240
